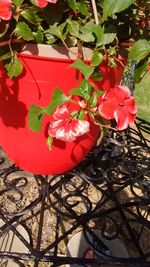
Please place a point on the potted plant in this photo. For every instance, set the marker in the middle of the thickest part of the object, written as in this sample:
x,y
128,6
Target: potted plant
x,y
40,91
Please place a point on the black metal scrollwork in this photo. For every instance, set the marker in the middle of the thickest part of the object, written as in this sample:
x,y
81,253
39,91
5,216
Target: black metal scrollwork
x,y
107,197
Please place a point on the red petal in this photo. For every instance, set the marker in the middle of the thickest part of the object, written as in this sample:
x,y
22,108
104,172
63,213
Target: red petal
x,y
122,118
120,93
5,9
130,105
110,95
107,108
41,3
131,117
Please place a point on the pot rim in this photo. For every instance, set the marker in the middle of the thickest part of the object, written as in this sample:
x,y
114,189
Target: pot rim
x,y
58,53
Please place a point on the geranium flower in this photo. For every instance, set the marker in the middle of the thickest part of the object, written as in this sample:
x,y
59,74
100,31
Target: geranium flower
x,y
43,3
5,9
64,128
117,103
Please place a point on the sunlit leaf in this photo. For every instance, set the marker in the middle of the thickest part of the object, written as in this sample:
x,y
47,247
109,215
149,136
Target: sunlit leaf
x,y
114,6
86,69
83,90
140,50
35,117
23,30
58,98
14,67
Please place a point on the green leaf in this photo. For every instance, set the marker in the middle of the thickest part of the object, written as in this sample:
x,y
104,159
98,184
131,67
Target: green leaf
x,y
87,32
35,117
99,92
58,98
97,75
73,27
72,4
83,67
107,38
74,114
99,32
82,8
139,71
57,30
83,90
97,59
17,2
39,37
78,114
71,41
87,37
6,56
50,38
81,114
93,99
31,16
14,68
49,142
139,50
114,6
23,30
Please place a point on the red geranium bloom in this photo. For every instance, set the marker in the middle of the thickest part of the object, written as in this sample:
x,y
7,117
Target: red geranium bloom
x,y
5,9
118,104
43,3
66,129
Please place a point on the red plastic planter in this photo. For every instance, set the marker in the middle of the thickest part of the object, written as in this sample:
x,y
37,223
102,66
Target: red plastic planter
x,y
27,149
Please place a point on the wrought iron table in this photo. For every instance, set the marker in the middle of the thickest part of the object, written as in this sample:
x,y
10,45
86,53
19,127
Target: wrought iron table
x,y
108,191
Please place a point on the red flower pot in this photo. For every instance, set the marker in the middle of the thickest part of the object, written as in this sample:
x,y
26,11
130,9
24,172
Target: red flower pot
x,y
40,77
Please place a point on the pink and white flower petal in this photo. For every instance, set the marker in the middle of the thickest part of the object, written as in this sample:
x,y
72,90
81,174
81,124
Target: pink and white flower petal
x,y
73,130
65,134
80,127
55,126
5,9
68,131
61,134
107,108
130,105
61,113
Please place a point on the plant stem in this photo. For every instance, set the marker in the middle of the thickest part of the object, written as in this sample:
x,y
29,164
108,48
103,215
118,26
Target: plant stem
x,y
11,41
95,12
